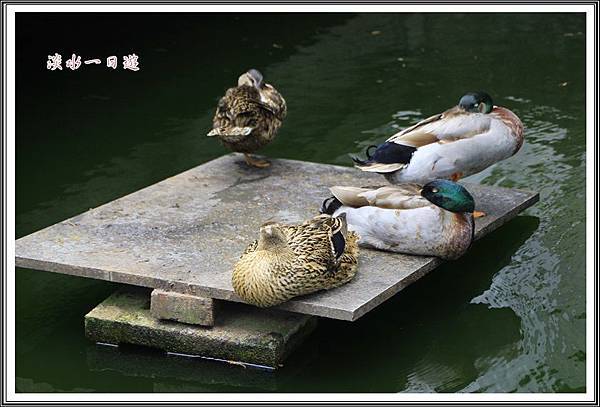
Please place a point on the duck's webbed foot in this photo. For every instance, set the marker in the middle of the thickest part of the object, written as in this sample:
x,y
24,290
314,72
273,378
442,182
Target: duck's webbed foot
x,y
479,214
456,176
255,162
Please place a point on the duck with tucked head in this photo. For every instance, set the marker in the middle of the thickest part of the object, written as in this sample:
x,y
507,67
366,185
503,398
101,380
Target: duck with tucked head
x,y
291,260
249,116
433,220
461,141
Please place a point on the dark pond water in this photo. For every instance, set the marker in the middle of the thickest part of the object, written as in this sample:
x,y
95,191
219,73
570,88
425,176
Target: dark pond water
x,y
508,317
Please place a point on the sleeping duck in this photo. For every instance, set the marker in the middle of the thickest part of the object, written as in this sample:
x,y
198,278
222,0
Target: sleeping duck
x,y
463,140
291,260
435,220
248,116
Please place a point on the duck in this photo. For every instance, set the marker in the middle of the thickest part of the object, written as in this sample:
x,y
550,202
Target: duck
x,y
459,142
249,116
431,220
292,260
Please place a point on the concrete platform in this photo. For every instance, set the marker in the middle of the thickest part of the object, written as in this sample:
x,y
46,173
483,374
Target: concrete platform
x,y
185,233
241,333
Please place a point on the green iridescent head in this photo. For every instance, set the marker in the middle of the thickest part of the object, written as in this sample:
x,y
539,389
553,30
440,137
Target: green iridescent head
x,y
449,195
476,102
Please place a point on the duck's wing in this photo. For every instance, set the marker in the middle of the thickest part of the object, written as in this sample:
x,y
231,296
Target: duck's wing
x,y
273,101
319,243
396,153
350,196
454,124
404,196
238,112
415,134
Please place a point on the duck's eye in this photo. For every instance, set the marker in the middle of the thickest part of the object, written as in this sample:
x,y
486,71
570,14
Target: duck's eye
x,y
434,190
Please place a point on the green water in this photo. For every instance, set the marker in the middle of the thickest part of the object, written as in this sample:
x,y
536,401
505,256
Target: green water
x,y
508,317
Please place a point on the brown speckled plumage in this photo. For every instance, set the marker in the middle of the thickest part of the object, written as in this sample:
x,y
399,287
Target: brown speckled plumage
x,y
292,260
249,115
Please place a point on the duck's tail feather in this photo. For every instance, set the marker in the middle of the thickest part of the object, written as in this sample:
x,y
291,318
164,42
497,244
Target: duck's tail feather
x,y
339,233
359,161
388,157
341,225
230,131
330,205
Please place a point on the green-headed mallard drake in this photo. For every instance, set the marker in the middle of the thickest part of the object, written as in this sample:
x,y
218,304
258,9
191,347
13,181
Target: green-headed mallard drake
x,y
287,261
248,116
463,140
435,220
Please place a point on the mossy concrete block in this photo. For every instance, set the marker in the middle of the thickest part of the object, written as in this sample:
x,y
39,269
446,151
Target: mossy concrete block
x,y
186,308
241,333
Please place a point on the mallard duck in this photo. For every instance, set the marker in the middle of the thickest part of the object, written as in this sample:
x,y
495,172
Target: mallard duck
x,y
291,260
248,116
463,140
435,220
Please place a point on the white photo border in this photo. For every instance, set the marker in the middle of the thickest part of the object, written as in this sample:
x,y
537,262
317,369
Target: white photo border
x,y
9,395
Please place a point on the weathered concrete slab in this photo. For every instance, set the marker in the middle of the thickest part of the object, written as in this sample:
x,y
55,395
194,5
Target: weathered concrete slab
x,y
241,333
186,308
186,232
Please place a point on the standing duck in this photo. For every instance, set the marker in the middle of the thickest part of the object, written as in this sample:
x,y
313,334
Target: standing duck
x,y
435,220
248,116
463,140
287,261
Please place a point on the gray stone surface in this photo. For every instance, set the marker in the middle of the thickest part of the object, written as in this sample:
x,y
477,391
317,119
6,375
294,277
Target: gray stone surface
x,y
186,232
186,308
241,333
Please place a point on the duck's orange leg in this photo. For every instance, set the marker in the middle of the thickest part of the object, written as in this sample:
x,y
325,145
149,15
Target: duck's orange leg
x,y
456,176
255,162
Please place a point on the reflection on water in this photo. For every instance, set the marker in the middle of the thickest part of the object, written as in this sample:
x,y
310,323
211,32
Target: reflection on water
x,y
435,317
178,373
509,316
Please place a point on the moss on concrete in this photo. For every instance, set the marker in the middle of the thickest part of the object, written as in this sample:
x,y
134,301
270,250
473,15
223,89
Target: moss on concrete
x,y
241,333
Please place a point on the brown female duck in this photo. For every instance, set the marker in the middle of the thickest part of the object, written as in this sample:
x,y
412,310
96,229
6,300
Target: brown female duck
x,y
291,260
248,116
